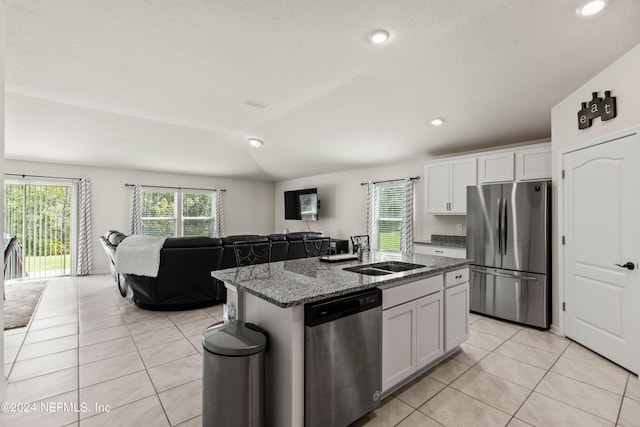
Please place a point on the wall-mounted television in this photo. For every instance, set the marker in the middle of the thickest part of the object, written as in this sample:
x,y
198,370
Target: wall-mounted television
x,y
301,204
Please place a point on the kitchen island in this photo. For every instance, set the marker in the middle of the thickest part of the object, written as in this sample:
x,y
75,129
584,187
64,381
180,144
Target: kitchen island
x,y
273,296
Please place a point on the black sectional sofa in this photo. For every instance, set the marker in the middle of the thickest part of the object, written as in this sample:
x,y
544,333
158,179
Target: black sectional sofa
x,y
184,278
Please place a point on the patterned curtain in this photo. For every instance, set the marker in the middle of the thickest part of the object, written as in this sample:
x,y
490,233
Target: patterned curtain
x,y
372,215
406,239
84,264
218,226
136,210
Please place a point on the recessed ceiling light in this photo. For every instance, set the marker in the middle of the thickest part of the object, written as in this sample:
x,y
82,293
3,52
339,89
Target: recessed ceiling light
x,y
379,36
591,7
438,121
255,142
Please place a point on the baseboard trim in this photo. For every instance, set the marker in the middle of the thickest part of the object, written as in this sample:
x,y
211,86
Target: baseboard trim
x,y
555,330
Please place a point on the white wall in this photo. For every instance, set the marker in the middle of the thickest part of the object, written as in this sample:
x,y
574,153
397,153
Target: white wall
x,y
621,78
343,202
248,205
2,29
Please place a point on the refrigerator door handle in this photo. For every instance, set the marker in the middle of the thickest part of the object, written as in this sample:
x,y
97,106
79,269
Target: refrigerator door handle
x,y
504,225
518,300
499,227
510,276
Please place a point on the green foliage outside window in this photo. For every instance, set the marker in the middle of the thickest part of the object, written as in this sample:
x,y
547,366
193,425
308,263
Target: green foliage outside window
x,y
390,206
160,213
40,217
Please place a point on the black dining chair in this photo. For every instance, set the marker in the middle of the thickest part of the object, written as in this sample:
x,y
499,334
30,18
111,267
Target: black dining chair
x,y
360,241
252,252
314,247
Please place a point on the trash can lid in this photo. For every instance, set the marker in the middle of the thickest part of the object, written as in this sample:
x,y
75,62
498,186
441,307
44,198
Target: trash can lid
x,y
233,338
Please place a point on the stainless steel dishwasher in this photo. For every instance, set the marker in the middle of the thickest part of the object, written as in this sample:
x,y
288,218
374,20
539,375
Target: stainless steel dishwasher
x,y
343,362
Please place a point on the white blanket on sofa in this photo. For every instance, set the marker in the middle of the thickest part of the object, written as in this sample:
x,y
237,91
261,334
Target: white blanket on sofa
x,y
139,255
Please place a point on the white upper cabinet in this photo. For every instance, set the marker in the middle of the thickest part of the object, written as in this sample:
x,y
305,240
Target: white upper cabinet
x,y
446,185
496,167
437,187
533,163
447,179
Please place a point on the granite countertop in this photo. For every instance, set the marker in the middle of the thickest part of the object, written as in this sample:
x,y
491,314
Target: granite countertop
x,y
300,281
444,240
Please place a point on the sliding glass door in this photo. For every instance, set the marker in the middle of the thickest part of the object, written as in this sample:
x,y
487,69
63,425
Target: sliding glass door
x,y
38,231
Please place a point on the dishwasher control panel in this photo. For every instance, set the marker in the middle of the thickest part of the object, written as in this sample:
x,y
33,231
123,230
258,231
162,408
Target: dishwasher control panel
x,y
320,312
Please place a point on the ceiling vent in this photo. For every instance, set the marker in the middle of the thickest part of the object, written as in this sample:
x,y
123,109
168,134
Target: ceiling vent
x,y
255,104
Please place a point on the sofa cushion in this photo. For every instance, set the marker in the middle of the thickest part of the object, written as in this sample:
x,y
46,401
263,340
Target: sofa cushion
x,y
229,240
299,235
191,242
277,237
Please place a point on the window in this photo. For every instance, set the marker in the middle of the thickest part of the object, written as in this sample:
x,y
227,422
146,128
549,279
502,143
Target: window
x,y
197,214
390,215
177,213
40,217
390,205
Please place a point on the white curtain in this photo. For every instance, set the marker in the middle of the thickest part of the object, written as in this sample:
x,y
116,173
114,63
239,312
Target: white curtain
x,y
218,226
372,215
136,210
84,264
406,239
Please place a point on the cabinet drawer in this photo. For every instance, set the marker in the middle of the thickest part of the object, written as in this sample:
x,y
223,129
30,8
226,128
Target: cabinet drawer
x,y
440,251
456,277
410,291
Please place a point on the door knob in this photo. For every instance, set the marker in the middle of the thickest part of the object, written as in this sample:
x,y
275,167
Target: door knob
x,y
629,265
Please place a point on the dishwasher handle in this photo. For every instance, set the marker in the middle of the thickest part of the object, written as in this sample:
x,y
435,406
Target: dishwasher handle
x,y
324,311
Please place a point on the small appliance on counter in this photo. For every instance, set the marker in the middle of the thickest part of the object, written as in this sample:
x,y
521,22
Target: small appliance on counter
x,y
508,239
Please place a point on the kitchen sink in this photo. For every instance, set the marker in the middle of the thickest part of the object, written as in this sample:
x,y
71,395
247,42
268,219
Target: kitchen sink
x,y
396,266
383,268
366,269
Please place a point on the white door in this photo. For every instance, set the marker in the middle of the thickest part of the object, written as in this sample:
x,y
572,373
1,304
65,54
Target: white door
x,y
600,221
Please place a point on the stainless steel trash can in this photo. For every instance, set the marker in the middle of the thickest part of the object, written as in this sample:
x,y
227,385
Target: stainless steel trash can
x,y
233,374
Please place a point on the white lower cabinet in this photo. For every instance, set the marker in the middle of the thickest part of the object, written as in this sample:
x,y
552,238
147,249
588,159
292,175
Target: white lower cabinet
x,y
412,337
429,330
398,344
412,328
456,304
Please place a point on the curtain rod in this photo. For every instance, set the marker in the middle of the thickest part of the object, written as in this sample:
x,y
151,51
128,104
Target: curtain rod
x,y
179,188
413,178
41,176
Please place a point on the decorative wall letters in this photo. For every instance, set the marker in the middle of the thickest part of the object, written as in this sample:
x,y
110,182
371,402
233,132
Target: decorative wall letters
x,y
605,108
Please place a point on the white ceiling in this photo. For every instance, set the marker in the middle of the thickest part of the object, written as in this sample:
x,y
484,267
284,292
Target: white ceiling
x,y
160,85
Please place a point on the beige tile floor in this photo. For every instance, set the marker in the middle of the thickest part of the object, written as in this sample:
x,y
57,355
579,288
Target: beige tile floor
x,y
89,358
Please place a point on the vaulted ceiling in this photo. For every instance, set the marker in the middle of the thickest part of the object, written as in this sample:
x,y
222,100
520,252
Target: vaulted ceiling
x,y
179,86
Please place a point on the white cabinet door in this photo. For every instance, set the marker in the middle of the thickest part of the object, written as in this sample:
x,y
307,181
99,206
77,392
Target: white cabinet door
x,y
398,344
533,163
497,167
446,186
430,317
456,309
463,173
436,187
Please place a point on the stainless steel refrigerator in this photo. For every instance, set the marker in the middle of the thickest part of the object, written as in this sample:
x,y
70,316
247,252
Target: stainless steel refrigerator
x,y
508,240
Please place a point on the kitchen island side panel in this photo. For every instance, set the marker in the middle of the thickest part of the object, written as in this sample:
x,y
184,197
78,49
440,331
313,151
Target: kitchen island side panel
x,y
284,359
